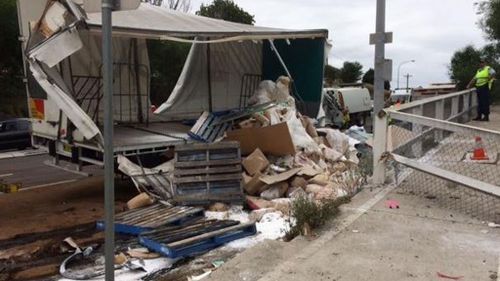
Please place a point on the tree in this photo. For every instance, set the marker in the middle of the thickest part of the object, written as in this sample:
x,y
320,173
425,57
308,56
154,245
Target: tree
x,y
465,62
331,74
351,72
226,10
463,66
369,77
13,96
490,18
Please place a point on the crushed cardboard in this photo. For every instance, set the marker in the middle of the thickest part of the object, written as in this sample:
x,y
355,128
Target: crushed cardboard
x,y
273,140
255,162
255,186
280,177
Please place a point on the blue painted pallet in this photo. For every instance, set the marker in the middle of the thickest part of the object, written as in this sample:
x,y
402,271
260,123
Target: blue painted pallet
x,y
197,244
137,221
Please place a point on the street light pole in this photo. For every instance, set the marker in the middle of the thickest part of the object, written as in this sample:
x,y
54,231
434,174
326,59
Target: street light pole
x,y
399,68
109,177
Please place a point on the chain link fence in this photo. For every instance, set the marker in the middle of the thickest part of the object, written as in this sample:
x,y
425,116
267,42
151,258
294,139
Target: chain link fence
x,y
436,156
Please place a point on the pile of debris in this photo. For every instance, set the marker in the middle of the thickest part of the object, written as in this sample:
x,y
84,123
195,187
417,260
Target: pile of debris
x,y
258,159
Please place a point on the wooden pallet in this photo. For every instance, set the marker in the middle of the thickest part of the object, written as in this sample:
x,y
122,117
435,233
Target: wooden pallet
x,y
207,173
192,240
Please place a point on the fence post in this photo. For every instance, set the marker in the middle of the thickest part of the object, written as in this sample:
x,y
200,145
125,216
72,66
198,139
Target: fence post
x,y
454,107
379,146
467,107
417,130
440,116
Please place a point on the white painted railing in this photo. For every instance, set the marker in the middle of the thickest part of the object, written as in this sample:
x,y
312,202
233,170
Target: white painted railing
x,y
434,140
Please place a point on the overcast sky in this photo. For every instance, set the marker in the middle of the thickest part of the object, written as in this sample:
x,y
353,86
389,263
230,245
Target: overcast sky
x,y
428,31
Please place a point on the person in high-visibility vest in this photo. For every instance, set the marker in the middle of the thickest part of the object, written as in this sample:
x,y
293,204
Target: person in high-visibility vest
x,y
483,81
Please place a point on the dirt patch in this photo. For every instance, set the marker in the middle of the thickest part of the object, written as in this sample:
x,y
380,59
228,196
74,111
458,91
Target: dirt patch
x,y
56,207
35,222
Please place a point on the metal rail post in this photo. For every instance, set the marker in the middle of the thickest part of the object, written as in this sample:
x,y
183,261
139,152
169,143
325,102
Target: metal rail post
x,y
109,188
378,96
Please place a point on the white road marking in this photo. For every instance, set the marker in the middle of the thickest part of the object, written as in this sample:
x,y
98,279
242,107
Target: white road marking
x,y
16,154
46,185
318,244
6,175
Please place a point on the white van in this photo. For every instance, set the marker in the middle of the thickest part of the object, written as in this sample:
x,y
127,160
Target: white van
x,y
354,101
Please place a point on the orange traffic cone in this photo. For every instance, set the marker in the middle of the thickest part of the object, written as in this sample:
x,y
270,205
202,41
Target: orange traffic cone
x,y
479,152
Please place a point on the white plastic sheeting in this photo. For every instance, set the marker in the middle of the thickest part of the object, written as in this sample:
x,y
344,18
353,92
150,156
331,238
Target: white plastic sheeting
x,y
228,63
156,22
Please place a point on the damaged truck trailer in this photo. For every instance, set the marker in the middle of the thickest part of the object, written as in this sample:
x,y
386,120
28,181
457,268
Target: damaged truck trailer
x,y
227,61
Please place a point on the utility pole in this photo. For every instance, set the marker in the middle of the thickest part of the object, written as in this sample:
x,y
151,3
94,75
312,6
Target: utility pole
x,y
399,68
380,39
408,81
109,177
382,69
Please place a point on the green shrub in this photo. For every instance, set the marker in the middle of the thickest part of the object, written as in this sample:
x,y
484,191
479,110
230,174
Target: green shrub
x,y
309,214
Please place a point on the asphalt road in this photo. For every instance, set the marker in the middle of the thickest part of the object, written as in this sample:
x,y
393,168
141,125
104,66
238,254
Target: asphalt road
x,y
32,172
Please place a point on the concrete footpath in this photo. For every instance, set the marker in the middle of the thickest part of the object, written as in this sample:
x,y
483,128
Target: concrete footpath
x,y
369,241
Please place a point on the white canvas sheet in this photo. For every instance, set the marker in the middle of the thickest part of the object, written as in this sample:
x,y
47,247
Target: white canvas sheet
x,y
229,62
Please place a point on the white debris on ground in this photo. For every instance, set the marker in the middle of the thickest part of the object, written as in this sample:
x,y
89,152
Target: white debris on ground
x,y
271,225
151,265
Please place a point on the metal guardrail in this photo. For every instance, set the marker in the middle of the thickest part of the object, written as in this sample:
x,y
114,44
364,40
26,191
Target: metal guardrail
x,y
430,147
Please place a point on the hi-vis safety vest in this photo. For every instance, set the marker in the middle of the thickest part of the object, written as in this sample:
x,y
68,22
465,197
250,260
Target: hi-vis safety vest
x,y
483,76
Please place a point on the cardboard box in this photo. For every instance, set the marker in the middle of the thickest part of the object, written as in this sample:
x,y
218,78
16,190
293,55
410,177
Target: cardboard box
x,y
255,162
255,186
273,140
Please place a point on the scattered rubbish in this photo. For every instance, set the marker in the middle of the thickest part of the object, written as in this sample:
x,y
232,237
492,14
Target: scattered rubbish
x,y
256,162
155,181
218,263
445,276
205,129
198,237
136,221
212,126
392,204
120,259
142,253
274,140
355,231
200,277
218,207
141,200
493,225
280,177
484,231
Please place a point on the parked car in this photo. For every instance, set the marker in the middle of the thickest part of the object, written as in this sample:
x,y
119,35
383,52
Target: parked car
x,y
15,134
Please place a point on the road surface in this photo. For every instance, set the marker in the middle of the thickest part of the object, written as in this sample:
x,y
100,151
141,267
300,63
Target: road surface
x,y
32,172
